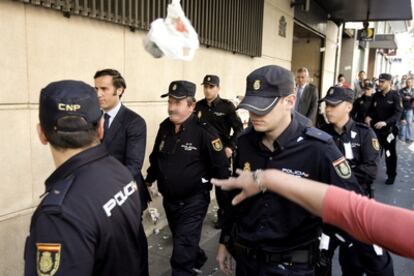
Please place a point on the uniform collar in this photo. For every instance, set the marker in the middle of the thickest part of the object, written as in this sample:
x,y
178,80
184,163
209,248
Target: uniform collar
x,y
76,162
216,101
347,127
184,125
289,134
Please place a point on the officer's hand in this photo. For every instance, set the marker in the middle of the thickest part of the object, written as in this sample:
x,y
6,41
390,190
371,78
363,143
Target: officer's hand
x,y
403,122
224,259
244,181
228,151
380,125
368,120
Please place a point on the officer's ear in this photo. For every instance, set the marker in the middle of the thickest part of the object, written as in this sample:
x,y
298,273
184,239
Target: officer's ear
x,y
100,130
41,135
290,100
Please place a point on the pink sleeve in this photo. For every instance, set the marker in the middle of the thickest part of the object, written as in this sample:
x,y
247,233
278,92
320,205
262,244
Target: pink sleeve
x,y
370,221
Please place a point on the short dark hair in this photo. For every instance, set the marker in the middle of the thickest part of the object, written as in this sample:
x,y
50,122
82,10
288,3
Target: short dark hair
x,y
117,80
61,139
190,100
340,76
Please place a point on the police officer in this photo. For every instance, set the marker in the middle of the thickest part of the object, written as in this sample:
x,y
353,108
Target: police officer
x,y
267,234
88,221
383,116
362,104
186,155
359,144
221,114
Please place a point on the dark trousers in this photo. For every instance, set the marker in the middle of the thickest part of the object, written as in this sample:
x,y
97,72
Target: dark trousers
x,y
390,151
248,266
361,258
185,219
144,256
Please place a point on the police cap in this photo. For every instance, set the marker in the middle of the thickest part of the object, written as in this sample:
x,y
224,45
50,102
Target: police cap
x,y
180,89
68,98
337,95
385,77
211,80
264,87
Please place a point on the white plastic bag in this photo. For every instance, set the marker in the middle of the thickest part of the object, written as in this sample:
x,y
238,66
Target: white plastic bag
x,y
173,36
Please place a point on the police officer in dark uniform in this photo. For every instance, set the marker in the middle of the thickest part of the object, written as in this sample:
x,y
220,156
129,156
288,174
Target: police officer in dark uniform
x,y
267,234
383,116
88,221
362,104
359,144
186,155
221,114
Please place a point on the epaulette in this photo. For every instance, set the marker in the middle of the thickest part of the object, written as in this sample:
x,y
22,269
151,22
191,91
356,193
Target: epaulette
x,y
227,101
318,134
361,125
58,192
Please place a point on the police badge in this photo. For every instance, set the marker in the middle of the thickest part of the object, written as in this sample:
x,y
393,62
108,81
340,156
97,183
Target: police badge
x,y
48,258
342,168
217,145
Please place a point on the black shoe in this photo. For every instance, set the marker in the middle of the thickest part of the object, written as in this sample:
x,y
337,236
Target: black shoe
x,y
390,180
201,259
408,141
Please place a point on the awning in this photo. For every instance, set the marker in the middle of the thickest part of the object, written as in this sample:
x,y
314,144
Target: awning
x,y
383,41
371,10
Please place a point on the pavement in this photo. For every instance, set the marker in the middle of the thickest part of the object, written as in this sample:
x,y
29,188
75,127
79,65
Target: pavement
x,y
400,194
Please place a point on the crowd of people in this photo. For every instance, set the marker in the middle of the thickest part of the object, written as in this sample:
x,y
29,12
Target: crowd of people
x,y
89,221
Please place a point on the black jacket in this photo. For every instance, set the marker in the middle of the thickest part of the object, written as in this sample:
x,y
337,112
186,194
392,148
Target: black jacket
x,y
89,222
126,141
183,163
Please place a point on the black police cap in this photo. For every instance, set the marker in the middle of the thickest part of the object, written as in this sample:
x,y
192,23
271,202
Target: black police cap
x,y
385,76
180,89
264,87
211,80
68,98
337,95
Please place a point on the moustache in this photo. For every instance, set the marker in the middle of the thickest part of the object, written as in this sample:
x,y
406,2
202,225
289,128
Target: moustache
x,y
172,113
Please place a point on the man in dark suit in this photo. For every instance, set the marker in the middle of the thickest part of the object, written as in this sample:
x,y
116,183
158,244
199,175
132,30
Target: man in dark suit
x,y
306,95
124,132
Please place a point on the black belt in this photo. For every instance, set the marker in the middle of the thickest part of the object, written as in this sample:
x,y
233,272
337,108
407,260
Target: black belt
x,y
303,256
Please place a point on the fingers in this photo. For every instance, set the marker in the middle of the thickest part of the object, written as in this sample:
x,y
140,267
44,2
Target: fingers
x,y
224,184
238,198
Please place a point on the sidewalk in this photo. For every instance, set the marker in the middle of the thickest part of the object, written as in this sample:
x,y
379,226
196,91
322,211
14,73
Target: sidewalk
x,y
400,194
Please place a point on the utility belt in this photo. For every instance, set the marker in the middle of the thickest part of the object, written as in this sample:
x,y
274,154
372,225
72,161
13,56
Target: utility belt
x,y
305,255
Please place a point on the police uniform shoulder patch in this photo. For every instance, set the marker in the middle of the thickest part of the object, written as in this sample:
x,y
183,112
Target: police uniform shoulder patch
x,y
375,144
48,258
318,134
342,168
58,192
217,144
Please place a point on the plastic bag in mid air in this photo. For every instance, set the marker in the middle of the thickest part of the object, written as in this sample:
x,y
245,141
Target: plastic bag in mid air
x,y
173,36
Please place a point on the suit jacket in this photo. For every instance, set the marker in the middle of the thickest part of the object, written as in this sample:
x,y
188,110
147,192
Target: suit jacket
x,y
126,141
308,105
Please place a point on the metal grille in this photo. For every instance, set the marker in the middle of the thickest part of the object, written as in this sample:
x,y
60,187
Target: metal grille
x,y
233,25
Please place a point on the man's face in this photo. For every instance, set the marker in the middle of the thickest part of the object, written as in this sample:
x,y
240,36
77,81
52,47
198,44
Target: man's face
x,y
361,76
384,85
301,78
210,91
337,113
179,110
271,120
108,95
409,83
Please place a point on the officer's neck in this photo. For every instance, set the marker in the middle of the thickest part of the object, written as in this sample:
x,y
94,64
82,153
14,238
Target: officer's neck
x,y
340,125
385,91
270,136
61,156
209,101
